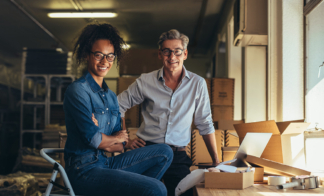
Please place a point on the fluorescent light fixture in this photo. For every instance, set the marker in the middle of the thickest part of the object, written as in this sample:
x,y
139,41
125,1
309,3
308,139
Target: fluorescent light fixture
x,y
126,46
82,15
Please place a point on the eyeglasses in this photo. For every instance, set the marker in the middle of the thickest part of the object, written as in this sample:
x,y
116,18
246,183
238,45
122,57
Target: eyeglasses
x,y
176,52
99,56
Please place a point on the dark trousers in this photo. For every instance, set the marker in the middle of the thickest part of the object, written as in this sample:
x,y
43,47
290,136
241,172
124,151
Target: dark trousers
x,y
178,169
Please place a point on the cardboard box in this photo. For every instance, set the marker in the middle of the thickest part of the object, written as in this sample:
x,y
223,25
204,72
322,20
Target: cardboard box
x,y
279,145
272,167
229,153
132,115
123,83
227,124
223,91
132,132
209,88
258,172
138,61
222,112
231,138
199,151
223,180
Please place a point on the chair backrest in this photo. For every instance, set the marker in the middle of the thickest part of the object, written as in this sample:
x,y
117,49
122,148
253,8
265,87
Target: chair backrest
x,y
57,167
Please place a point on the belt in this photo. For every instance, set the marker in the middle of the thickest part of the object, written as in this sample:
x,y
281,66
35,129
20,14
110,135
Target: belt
x,y
174,148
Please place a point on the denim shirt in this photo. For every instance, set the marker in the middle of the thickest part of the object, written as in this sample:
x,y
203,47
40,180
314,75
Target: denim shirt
x,y
82,98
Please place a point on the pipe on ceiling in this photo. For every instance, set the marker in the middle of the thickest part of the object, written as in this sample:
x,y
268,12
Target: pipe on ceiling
x,y
40,25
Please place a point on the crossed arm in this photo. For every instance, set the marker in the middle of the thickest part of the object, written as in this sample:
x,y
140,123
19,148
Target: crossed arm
x,y
112,143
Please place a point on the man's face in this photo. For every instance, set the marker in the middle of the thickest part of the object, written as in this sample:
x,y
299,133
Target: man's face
x,y
172,62
97,67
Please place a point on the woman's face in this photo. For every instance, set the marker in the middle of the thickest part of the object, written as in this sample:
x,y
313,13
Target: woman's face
x,y
99,68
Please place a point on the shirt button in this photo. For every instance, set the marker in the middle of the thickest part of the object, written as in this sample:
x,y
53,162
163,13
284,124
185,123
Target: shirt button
x,y
169,123
106,108
103,95
108,123
103,112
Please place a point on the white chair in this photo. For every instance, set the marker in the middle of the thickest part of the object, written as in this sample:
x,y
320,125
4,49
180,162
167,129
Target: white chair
x,y
57,168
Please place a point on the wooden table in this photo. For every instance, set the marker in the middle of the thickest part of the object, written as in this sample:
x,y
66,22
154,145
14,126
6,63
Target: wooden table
x,y
258,190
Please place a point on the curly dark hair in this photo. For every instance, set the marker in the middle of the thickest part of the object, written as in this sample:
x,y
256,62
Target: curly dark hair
x,y
93,32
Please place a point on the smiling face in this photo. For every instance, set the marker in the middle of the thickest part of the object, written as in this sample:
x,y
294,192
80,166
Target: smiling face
x,y
173,62
99,69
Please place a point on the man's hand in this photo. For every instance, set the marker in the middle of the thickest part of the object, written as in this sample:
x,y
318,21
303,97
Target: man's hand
x,y
135,143
121,136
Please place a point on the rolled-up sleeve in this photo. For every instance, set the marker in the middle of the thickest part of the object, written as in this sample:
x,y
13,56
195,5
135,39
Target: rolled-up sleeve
x,y
77,105
130,97
203,118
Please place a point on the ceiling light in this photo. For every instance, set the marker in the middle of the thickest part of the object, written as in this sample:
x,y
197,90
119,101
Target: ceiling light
x,y
82,15
126,46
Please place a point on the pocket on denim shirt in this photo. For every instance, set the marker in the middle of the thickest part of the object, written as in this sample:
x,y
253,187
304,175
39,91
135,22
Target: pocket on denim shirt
x,y
113,118
101,117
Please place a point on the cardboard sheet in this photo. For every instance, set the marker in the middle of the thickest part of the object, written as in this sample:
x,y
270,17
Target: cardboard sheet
x,y
272,167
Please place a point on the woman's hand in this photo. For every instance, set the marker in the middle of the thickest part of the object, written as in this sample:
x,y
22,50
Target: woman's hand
x,y
135,143
94,120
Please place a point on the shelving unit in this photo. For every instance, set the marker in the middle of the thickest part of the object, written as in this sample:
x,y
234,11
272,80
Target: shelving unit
x,y
50,84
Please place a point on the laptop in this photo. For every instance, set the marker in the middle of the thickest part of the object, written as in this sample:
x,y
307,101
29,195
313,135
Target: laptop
x,y
252,144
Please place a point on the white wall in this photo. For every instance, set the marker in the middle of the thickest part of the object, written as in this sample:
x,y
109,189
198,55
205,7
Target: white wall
x,y
293,60
255,84
235,69
285,60
315,57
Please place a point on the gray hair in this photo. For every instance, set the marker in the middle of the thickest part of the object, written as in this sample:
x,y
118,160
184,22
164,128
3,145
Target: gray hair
x,y
173,34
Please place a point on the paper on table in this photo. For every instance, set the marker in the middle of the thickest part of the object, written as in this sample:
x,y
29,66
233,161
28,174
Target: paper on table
x,y
190,180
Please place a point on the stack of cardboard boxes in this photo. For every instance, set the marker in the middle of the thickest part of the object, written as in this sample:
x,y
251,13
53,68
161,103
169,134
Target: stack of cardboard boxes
x,y
221,93
222,100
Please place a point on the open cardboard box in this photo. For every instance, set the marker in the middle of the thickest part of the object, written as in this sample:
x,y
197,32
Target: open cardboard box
x,y
286,139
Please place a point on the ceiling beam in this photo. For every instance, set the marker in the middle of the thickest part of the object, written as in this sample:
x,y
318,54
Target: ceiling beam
x,y
199,26
40,25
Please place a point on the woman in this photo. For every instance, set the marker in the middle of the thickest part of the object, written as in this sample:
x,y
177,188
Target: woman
x,y
90,171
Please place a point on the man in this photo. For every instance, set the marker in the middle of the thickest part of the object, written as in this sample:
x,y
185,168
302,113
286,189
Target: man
x,y
171,97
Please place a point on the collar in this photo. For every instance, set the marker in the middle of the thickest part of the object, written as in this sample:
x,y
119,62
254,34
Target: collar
x,y
160,73
93,84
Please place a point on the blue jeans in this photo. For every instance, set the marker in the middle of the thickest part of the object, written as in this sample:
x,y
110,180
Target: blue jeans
x,y
136,172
